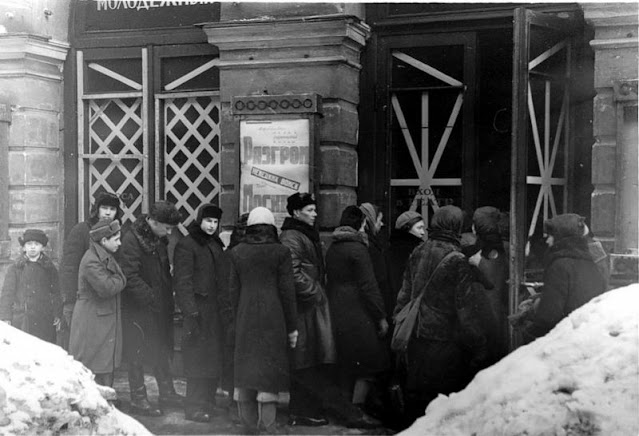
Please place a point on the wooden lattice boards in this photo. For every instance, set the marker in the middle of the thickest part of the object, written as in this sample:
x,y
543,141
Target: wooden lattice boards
x,y
191,152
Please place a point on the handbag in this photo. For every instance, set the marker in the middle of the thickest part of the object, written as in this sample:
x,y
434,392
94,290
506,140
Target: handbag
x,y
406,319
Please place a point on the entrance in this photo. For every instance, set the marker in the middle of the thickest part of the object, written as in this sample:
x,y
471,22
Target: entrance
x,y
478,113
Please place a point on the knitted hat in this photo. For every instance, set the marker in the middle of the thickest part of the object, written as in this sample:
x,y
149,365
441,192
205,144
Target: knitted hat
x,y
165,212
107,199
407,220
298,201
104,229
565,226
352,216
260,215
36,235
208,210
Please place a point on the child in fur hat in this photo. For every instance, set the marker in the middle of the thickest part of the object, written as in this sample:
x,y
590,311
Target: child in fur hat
x,y
30,298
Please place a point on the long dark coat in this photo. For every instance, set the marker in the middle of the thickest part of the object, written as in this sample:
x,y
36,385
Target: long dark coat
x,y
571,279
200,277
401,246
96,325
30,297
316,344
446,315
377,250
147,299
262,289
356,304
76,244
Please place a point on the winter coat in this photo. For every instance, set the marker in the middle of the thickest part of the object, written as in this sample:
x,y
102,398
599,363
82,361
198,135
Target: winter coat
x,y
263,294
201,289
147,299
96,325
402,245
315,344
76,244
377,250
571,279
30,297
446,312
356,304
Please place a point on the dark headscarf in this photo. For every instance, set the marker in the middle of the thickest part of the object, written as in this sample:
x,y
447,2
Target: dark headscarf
x,y
446,224
486,221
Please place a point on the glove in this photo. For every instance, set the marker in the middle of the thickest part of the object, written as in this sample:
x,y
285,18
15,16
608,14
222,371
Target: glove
x,y
67,313
192,325
292,338
382,328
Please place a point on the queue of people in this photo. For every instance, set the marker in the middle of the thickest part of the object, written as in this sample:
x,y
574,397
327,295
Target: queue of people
x,y
274,312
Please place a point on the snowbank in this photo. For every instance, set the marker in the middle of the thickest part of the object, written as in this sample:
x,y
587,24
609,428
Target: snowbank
x,y
582,378
43,390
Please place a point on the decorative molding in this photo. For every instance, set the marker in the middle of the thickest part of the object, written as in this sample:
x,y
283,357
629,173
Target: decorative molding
x,y
607,44
276,104
289,63
625,90
25,55
611,14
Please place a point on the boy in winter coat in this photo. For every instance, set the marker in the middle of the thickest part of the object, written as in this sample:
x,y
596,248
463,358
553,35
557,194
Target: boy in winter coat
x,y
30,298
571,278
200,284
106,206
96,326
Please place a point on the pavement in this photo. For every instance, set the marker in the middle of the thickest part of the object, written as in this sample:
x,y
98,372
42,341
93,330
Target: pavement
x,y
173,422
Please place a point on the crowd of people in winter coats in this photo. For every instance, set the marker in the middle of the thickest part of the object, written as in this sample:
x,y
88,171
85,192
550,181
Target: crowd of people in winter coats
x,y
275,312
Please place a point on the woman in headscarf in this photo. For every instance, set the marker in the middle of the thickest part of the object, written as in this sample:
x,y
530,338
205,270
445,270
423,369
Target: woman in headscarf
x,y
357,307
447,346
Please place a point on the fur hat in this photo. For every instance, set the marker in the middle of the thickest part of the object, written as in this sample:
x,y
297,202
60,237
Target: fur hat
x,y
565,226
298,201
260,215
36,235
407,220
165,212
107,199
104,229
208,210
352,216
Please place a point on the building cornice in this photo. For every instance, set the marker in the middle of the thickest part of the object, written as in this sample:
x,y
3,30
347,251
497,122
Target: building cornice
x,y
611,14
22,45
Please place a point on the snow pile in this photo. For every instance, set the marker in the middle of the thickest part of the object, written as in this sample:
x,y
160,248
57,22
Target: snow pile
x,y
43,390
582,378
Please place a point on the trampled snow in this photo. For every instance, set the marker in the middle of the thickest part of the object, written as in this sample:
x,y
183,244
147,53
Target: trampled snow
x,y
43,390
582,378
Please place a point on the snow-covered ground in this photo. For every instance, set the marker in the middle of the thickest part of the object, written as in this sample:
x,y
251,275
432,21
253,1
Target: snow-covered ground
x,y
582,378
43,390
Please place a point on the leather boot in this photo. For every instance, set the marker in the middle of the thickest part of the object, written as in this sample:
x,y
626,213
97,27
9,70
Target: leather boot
x,y
139,402
267,424
168,397
247,411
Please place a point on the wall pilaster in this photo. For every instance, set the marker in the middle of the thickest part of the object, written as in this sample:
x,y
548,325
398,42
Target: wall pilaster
x,y
31,86
296,55
614,153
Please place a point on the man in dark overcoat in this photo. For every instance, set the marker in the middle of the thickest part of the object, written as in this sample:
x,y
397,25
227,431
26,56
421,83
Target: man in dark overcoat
x,y
312,389
106,206
200,282
147,305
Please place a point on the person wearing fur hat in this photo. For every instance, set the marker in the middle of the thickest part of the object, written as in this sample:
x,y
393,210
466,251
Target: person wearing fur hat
x,y
96,325
409,232
148,306
263,294
200,283
357,307
448,346
106,206
30,298
571,278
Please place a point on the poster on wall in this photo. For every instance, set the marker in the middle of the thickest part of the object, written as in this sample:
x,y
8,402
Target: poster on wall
x,y
274,163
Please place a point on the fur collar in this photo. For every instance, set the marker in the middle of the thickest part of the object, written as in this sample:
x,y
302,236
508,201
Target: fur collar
x,y
43,261
261,234
201,238
291,223
145,236
573,247
349,234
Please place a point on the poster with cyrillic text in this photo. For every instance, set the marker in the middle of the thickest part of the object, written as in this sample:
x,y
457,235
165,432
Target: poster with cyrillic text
x,y
274,163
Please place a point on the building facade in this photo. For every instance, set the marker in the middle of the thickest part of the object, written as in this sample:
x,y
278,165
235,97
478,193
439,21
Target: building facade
x,y
528,107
